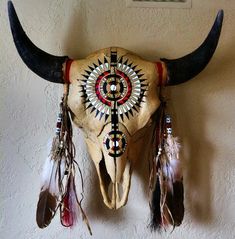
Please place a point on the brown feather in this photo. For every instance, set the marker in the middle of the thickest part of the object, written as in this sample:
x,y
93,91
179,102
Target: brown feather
x,y
155,205
46,208
178,206
175,204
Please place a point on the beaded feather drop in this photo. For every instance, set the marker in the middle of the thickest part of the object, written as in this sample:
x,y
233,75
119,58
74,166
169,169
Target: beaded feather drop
x,y
58,189
166,178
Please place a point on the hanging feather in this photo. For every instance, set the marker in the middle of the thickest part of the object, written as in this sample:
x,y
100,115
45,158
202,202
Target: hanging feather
x,y
155,186
58,176
50,192
156,219
46,208
69,209
70,206
167,194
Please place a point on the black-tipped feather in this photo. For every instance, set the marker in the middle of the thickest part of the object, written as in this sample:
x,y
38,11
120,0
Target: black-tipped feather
x,y
46,208
156,219
178,213
167,202
175,202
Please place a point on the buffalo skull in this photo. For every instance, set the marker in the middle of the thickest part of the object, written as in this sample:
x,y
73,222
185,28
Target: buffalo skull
x,y
113,95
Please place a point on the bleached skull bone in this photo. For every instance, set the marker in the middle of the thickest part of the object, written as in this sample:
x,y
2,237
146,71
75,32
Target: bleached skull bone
x,y
113,95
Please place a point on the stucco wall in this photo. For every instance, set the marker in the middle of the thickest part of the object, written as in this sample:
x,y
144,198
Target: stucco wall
x,y
203,109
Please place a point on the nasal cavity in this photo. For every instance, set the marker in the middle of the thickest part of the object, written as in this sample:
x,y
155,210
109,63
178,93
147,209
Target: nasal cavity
x,y
104,174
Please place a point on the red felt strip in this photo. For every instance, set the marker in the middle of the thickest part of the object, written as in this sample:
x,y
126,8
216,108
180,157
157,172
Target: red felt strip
x,y
67,69
160,72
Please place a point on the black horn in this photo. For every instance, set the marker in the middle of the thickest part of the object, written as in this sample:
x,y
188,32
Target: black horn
x,y
185,68
43,64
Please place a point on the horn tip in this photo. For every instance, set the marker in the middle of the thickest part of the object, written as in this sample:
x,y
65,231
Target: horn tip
x,y
221,12
11,10
220,15
10,5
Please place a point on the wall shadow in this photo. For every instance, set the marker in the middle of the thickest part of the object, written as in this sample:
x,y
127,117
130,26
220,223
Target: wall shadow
x,y
199,158
197,166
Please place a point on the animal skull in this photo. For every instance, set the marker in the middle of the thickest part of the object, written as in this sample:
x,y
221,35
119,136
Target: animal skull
x,y
112,97
113,94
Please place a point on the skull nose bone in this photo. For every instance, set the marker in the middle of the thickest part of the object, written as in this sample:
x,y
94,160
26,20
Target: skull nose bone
x,y
116,195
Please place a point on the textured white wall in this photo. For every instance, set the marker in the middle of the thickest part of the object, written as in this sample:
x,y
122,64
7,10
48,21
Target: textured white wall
x,y
203,110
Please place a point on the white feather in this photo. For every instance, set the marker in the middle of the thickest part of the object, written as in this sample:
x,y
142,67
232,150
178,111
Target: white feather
x,y
172,147
47,167
172,167
49,176
46,172
73,202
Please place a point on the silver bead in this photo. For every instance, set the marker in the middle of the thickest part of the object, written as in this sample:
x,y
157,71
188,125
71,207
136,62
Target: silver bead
x,y
169,130
61,144
168,119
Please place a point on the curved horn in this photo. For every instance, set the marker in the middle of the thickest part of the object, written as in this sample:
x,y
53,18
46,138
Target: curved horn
x,y
43,64
183,69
